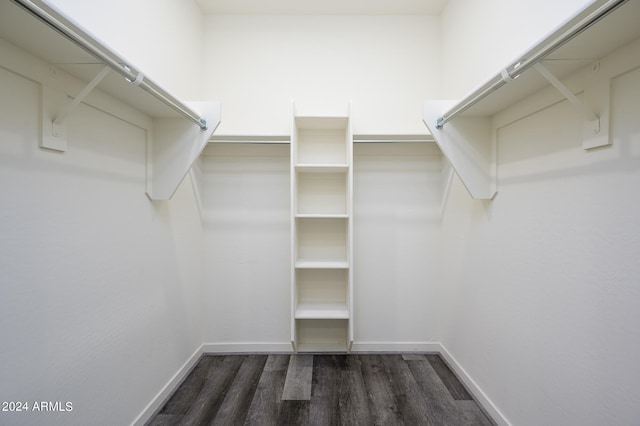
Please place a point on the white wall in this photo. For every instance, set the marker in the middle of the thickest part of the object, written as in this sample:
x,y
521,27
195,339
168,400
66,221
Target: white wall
x,y
479,38
247,256
247,268
397,197
163,38
539,299
100,300
256,65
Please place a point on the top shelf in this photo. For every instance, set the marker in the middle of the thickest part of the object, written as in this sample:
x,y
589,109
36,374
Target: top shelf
x,y
40,43
617,29
463,130
23,30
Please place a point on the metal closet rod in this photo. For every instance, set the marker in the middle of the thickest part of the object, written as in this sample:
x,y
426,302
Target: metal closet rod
x,y
526,62
286,139
71,31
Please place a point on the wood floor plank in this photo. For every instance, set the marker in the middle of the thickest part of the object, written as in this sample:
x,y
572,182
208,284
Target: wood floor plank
x,y
294,413
413,357
457,390
436,398
184,397
407,391
297,386
354,404
473,415
277,362
213,392
382,401
265,406
324,407
164,420
338,394
235,406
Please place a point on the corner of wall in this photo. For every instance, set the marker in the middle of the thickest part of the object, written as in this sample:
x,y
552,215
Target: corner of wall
x,y
165,393
479,395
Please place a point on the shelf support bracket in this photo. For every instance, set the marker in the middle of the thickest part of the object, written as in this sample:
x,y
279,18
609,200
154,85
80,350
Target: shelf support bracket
x,y
595,128
62,116
588,114
54,125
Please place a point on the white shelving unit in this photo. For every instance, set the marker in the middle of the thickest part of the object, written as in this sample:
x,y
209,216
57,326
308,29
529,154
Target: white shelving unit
x,y
322,234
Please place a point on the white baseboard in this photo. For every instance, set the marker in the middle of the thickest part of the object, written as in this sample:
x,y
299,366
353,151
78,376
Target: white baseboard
x,y
424,347
395,347
480,397
157,402
287,348
246,347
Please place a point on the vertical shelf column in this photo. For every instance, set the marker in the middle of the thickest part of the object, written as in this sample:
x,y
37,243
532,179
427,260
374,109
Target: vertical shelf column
x,y
321,234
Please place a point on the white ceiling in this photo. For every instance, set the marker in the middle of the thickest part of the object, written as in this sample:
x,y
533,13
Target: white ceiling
x,y
322,7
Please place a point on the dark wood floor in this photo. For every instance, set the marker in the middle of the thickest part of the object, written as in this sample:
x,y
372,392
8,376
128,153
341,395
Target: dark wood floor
x,y
307,389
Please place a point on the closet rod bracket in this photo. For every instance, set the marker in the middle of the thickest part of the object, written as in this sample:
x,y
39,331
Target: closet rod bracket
x,y
62,116
594,106
587,112
56,108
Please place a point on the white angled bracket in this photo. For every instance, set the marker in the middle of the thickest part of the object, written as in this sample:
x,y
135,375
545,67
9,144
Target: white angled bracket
x,y
56,110
467,143
176,145
596,126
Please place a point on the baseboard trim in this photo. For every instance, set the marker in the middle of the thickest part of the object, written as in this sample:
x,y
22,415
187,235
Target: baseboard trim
x,y
287,348
481,398
247,347
395,347
158,401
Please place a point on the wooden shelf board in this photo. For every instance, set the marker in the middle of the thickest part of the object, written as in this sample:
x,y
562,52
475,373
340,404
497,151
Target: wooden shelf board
x,y
23,30
321,168
322,311
322,216
322,264
322,347
614,31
